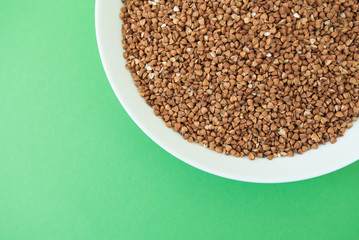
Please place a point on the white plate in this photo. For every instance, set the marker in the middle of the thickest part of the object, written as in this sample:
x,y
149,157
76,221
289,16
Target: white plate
x,y
313,163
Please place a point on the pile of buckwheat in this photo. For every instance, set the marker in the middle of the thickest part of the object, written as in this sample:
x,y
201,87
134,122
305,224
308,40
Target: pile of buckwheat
x,y
247,78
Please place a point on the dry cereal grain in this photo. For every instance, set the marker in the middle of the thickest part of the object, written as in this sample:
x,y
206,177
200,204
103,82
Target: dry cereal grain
x,y
247,78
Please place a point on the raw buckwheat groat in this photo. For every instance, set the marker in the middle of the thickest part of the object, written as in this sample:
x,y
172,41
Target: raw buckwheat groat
x,y
247,78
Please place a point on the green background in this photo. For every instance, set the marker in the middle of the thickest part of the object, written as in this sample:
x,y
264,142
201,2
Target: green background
x,y
73,165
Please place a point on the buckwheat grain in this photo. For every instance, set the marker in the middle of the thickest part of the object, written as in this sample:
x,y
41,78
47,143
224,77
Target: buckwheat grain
x,y
247,78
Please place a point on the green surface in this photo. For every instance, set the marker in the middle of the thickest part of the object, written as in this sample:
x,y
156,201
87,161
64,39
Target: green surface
x,y
73,165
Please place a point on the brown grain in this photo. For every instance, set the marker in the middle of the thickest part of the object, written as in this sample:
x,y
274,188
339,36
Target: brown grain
x,y
256,79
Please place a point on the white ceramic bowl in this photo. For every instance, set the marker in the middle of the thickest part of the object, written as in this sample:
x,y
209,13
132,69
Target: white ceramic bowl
x,y
313,163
